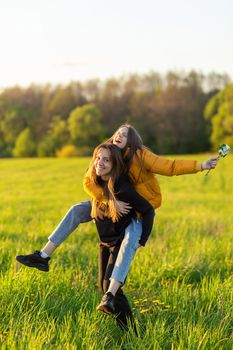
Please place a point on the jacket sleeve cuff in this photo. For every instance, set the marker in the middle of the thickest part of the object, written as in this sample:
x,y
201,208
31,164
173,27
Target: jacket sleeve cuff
x,y
198,166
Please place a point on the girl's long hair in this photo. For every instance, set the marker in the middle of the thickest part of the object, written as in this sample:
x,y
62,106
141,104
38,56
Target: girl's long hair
x,y
134,142
109,210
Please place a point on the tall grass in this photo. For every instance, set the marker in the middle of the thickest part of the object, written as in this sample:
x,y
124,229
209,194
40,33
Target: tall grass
x,y
180,284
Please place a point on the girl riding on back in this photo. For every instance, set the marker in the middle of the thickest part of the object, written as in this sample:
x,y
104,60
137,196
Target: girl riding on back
x,y
142,165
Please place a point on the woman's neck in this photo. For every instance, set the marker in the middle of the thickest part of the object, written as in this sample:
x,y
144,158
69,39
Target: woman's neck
x,y
105,178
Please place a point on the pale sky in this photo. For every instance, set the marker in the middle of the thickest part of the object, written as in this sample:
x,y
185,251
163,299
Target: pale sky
x,y
57,41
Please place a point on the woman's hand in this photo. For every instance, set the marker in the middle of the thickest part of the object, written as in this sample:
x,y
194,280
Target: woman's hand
x,y
210,163
122,208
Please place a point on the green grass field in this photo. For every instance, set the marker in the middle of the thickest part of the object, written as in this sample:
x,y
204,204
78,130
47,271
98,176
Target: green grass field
x,y
180,284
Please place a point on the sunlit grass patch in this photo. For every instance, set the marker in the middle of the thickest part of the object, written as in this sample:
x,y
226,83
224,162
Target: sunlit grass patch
x,y
180,285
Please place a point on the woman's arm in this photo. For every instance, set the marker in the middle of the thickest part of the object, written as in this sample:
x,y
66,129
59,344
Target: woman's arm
x,y
168,167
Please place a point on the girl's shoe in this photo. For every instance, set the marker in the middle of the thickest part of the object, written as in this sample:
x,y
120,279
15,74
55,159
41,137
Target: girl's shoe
x,y
107,304
34,260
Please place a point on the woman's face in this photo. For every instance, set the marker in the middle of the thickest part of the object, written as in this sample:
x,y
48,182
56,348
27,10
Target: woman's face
x,y
103,163
120,137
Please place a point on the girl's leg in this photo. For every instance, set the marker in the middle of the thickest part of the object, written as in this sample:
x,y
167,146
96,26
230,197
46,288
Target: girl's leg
x,y
125,256
77,214
107,258
48,249
118,305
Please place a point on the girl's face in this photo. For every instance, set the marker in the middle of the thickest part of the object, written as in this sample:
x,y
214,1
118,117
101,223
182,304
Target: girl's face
x,y
103,163
120,137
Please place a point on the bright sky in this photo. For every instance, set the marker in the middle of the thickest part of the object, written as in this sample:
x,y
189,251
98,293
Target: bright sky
x,y
58,41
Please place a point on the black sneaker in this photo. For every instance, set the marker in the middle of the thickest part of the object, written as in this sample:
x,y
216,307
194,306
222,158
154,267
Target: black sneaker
x,y
34,260
107,304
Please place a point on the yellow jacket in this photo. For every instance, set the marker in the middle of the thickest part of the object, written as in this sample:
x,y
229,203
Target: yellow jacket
x,y
142,174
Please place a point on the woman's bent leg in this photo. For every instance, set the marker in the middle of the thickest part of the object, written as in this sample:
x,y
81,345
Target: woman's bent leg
x,y
78,213
127,251
40,259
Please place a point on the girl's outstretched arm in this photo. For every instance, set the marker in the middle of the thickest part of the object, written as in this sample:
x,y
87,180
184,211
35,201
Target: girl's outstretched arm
x,y
168,167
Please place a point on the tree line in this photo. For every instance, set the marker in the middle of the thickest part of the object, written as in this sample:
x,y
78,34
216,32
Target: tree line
x,y
175,113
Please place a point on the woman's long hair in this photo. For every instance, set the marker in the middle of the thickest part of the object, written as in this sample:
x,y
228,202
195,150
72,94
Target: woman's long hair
x,y
98,209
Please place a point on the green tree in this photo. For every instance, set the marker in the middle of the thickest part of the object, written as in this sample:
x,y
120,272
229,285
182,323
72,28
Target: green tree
x,y
47,147
177,120
85,126
59,131
19,109
113,102
5,151
25,145
57,136
12,125
219,111
65,99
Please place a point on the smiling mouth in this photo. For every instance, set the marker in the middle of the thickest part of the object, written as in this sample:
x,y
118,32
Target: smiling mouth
x,y
100,168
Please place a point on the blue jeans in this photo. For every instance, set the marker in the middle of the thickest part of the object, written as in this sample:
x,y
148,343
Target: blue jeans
x,y
127,250
81,213
77,214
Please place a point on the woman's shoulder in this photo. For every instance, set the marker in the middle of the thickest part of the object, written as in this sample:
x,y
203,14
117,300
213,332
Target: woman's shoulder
x,y
144,153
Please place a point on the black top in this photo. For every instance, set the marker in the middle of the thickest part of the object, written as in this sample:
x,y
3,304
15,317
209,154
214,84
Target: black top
x,y
112,233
